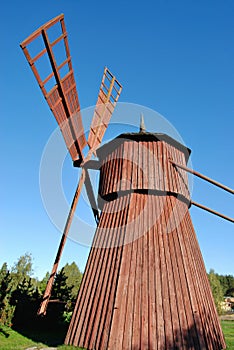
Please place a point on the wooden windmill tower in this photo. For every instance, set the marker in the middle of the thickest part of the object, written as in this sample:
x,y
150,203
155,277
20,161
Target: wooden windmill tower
x,y
145,283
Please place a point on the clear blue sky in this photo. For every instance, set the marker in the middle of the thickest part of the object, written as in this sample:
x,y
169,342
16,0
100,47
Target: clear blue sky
x,y
176,57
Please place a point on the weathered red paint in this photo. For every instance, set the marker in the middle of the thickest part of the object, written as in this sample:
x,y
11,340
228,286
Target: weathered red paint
x,y
145,283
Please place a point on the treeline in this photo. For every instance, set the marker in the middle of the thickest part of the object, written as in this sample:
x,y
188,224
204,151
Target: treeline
x,y
21,295
221,286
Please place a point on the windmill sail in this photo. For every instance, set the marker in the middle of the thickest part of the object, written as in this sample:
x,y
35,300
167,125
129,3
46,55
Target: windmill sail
x,y
59,89
109,93
58,86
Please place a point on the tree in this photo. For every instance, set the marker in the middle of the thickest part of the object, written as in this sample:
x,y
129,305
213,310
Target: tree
x,y
26,302
6,310
22,269
74,277
61,290
42,284
3,271
217,290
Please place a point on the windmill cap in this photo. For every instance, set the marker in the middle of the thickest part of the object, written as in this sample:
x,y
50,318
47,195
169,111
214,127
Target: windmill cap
x,y
140,137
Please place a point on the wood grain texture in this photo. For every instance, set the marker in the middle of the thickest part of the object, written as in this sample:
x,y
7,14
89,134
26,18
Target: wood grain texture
x,y
145,284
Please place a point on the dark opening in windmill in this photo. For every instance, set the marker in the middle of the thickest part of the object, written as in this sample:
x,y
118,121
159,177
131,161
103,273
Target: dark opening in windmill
x,y
145,283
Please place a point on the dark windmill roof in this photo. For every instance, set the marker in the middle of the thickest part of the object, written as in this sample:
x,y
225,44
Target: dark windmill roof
x,y
140,137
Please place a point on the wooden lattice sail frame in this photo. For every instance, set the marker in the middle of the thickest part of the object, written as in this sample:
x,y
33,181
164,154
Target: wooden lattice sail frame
x,y
59,90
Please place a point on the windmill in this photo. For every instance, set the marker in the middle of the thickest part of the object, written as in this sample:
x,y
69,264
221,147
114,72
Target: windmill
x,y
145,283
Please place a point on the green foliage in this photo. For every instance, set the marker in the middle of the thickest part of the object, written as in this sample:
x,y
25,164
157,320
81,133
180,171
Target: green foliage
x,y
20,295
227,283
6,310
74,277
22,269
42,284
25,299
61,290
217,290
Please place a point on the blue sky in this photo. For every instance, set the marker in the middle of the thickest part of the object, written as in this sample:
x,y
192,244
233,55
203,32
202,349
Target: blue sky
x,y
175,57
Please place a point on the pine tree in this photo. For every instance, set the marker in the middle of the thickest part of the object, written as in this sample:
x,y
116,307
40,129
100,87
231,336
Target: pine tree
x,y
61,290
74,277
6,310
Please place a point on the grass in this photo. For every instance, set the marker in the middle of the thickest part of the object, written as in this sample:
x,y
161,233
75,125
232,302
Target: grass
x,y
11,340
228,330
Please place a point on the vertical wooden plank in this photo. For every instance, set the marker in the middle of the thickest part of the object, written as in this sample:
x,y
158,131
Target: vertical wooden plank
x,y
152,283
134,166
136,330
145,277
160,332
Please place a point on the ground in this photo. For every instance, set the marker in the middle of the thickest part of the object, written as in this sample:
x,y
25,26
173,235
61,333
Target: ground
x,y
11,340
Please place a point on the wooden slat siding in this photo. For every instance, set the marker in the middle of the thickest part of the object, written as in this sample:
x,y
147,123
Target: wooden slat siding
x,y
150,168
152,291
129,315
107,220
160,331
212,308
165,274
83,296
197,316
180,324
134,166
186,310
152,283
124,166
104,326
112,308
130,164
170,275
128,269
156,176
101,295
87,281
104,174
136,330
98,286
93,312
145,276
202,304
156,164
146,170
103,299
189,286
200,294
160,168
135,268
211,312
